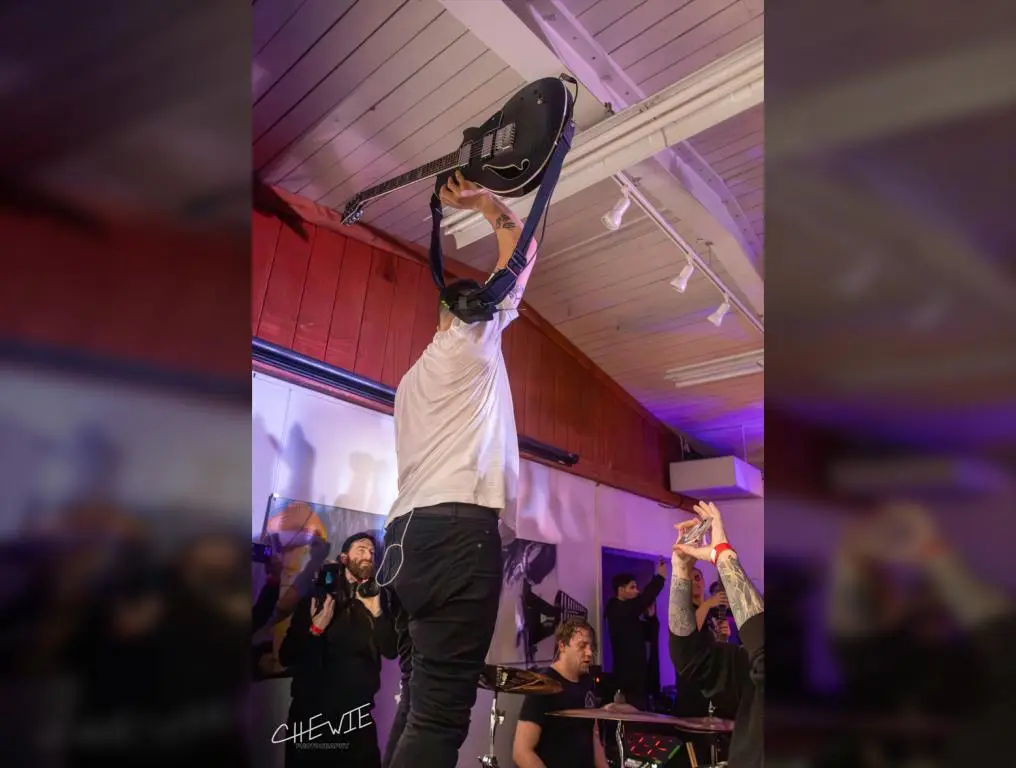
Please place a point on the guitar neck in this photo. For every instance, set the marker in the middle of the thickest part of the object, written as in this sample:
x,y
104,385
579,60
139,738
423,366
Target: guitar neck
x,y
489,144
448,162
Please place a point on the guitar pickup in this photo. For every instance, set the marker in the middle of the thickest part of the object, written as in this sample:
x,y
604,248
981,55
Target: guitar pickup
x,y
504,138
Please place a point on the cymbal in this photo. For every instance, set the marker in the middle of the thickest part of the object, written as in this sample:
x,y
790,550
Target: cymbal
x,y
512,680
705,724
693,724
621,715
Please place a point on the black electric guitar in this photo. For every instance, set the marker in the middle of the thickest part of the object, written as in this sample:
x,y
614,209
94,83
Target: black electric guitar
x,y
507,154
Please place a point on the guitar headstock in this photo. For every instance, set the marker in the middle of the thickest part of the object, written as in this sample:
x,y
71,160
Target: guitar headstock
x,y
353,211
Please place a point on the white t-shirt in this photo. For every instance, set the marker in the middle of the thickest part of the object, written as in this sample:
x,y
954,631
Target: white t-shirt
x,y
455,432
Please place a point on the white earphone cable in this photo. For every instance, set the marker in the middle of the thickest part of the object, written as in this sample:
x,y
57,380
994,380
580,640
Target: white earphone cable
x,y
384,557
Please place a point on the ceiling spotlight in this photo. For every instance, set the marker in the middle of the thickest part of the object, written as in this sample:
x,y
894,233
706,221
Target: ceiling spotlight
x,y
612,220
680,282
721,312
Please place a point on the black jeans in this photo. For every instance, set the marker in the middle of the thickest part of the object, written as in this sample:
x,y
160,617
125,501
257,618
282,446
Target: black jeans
x,y
445,601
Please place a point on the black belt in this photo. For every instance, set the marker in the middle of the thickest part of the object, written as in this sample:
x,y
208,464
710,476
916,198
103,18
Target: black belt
x,y
458,509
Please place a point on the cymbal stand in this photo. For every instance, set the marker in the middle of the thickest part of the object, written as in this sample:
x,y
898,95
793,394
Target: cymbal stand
x,y
619,735
489,760
714,751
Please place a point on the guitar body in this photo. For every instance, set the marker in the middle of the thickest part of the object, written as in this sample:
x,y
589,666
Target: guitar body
x,y
539,111
507,154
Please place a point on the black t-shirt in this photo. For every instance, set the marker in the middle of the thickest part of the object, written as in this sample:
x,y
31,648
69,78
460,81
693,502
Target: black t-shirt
x,y
565,742
729,670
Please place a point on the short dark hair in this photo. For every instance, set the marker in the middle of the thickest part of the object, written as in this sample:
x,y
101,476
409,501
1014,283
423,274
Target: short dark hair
x,y
449,295
715,587
350,541
621,580
567,629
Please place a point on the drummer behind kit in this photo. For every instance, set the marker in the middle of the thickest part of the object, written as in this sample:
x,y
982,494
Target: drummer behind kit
x,y
638,750
510,680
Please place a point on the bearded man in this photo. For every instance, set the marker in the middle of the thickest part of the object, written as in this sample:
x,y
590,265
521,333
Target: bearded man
x,y
333,648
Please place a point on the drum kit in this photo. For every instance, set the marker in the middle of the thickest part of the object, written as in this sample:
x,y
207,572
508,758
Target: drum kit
x,y
511,680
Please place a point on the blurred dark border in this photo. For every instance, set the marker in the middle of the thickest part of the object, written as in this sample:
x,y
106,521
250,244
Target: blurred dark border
x,y
891,380
125,206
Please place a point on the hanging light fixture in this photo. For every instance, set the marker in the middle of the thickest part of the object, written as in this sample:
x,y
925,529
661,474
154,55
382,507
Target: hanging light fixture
x,y
612,220
680,282
721,312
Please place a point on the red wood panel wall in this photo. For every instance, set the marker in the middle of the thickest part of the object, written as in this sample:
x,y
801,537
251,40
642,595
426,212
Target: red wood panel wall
x,y
373,312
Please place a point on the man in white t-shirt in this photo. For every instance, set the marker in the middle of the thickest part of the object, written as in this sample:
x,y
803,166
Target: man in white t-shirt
x,y
458,464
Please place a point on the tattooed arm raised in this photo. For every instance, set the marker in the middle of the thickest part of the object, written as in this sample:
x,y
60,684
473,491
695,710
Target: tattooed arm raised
x,y
719,668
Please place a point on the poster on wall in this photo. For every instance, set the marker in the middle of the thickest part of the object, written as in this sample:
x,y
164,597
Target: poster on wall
x,y
302,537
532,605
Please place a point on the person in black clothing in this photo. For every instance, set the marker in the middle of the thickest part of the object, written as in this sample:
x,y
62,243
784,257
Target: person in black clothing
x,y
651,627
720,668
334,647
628,634
546,741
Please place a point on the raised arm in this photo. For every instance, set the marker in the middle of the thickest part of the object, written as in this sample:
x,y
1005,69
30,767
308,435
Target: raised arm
x,y
681,613
715,667
461,193
507,227
745,601
708,666
648,596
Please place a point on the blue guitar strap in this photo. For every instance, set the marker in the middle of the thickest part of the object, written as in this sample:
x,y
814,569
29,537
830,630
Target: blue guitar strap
x,y
480,305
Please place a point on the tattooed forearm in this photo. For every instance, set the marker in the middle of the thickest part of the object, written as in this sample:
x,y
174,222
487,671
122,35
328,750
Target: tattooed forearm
x,y
504,221
682,613
745,601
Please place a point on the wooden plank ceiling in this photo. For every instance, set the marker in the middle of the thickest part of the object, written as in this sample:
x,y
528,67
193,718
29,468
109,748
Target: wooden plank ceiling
x,y
734,150
350,93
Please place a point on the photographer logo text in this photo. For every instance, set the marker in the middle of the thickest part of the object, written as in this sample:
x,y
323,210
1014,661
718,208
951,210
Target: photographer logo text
x,y
317,726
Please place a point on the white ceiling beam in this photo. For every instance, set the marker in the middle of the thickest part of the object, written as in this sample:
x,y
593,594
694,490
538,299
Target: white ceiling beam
x,y
709,96
495,25
699,197
887,103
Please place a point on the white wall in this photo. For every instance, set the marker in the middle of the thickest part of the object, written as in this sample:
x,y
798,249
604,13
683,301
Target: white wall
x,y
312,447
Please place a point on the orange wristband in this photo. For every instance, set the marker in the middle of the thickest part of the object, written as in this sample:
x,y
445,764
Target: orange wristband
x,y
315,630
